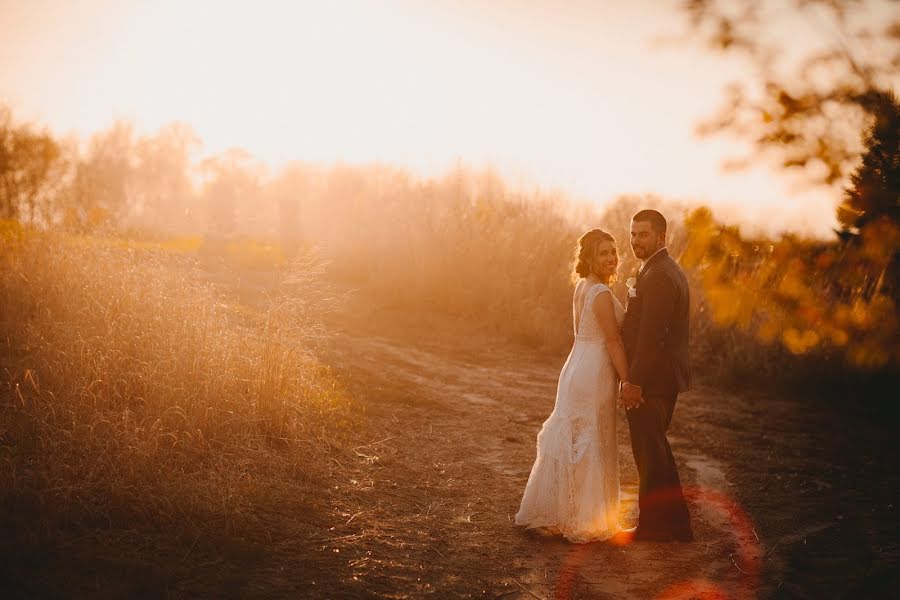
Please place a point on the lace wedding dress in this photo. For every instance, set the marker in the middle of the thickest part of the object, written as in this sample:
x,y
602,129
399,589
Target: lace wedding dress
x,y
573,488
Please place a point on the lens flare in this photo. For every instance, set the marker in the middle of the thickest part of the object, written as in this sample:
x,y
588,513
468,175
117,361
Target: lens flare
x,y
747,560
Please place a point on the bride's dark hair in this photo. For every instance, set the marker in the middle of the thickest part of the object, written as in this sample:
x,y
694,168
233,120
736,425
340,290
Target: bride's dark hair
x,y
587,250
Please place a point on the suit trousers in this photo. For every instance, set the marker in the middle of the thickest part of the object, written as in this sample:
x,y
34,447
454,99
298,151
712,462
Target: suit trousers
x,y
663,510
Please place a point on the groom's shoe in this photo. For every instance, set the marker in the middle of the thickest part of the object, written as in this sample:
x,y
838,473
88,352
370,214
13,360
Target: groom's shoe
x,y
623,537
643,535
684,536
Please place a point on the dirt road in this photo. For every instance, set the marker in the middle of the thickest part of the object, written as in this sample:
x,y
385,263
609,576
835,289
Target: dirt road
x,y
789,498
452,417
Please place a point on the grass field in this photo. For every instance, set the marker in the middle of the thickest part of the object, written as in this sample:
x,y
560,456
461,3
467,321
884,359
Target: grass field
x,y
138,396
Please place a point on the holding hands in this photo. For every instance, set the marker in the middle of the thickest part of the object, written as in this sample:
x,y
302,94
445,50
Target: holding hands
x,y
630,395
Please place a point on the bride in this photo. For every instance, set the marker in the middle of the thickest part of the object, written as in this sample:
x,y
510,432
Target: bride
x,y
573,488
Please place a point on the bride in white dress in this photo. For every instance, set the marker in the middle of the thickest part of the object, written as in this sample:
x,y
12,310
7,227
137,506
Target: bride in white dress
x,y
573,488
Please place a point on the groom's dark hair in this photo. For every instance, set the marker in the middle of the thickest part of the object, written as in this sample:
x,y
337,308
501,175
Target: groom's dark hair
x,y
654,217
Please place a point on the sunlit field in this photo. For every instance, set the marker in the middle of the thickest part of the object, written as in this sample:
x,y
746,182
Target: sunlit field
x,y
255,344
167,385
140,397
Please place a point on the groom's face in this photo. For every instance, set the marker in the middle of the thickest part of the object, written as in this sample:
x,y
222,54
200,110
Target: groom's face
x,y
644,240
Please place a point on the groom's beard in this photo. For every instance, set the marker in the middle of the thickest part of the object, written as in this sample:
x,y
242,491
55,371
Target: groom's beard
x,y
642,255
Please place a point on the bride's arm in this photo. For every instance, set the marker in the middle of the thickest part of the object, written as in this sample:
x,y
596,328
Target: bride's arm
x,y
606,318
575,307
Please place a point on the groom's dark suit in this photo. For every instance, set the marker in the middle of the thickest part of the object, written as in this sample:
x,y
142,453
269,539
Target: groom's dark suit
x,y
655,333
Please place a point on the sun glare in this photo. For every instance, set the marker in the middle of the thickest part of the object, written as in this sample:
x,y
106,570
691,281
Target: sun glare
x,y
302,298
563,100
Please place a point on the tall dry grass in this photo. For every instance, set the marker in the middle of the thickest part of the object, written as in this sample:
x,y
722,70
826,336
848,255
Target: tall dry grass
x,y
138,396
471,247
465,244
502,262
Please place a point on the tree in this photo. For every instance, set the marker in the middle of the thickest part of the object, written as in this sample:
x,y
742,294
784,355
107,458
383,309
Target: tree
x,y
232,177
289,191
870,212
807,110
874,192
101,190
27,163
162,186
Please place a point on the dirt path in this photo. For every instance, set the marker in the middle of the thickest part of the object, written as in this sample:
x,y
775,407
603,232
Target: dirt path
x,y
453,418
789,499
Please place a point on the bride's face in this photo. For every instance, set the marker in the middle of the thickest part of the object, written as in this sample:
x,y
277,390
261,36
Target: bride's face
x,y
606,260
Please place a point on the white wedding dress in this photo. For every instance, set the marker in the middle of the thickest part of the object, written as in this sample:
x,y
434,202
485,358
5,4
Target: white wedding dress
x,y
573,488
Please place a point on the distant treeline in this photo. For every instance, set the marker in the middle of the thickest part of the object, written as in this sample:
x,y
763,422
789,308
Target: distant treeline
x,y
467,244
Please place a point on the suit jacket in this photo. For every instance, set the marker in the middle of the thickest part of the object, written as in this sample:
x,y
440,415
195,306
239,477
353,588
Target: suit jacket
x,y
657,327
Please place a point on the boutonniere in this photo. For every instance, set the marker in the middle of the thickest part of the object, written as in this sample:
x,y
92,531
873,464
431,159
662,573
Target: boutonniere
x,y
632,291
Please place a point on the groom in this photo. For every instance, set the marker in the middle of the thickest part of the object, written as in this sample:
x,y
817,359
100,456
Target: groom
x,y
655,333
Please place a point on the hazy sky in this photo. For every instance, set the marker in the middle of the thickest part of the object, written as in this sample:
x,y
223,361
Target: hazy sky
x,y
576,98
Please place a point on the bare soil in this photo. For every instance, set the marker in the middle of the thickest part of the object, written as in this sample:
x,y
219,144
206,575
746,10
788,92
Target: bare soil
x,y
788,498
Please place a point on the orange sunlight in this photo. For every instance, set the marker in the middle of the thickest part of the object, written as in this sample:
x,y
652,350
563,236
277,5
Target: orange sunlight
x,y
582,101
449,298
